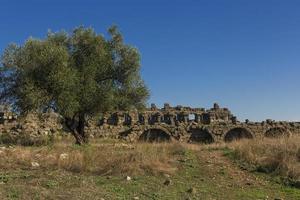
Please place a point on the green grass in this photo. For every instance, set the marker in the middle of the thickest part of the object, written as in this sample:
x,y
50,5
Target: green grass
x,y
207,171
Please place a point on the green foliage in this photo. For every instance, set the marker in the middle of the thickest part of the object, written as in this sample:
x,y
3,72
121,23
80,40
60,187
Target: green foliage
x,y
13,194
74,73
230,153
51,184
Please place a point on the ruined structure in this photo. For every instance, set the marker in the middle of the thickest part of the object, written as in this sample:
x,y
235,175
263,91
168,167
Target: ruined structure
x,y
186,124
33,125
6,115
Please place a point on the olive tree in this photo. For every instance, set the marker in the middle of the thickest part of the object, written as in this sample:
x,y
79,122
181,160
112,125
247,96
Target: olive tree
x,y
77,74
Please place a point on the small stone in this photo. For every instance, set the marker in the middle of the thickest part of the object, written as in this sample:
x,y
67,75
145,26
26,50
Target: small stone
x,y
136,198
167,175
1,152
128,178
35,164
167,182
63,156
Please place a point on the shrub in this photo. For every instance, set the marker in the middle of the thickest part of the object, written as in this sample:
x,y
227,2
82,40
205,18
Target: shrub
x,y
25,139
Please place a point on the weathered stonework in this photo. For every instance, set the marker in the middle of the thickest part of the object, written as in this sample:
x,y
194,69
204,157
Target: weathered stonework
x,y
189,125
184,124
33,124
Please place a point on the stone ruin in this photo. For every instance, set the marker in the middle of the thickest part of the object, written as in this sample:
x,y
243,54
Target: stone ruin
x,y
184,124
6,115
32,125
170,115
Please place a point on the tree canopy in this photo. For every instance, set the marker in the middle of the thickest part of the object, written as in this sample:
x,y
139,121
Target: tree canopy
x,y
77,74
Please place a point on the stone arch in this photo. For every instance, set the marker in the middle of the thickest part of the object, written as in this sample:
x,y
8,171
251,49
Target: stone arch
x,y
155,135
237,134
201,136
127,119
192,117
277,132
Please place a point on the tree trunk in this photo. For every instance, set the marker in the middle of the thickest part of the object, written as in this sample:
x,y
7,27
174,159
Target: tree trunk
x,y
81,129
78,128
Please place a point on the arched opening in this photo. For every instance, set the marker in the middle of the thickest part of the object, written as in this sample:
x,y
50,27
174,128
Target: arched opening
x,y
276,132
191,117
201,136
155,135
237,134
127,119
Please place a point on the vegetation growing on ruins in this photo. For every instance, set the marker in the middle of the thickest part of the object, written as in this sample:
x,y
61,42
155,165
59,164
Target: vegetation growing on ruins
x,y
77,74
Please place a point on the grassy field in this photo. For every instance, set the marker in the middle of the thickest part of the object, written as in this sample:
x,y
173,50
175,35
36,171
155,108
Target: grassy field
x,y
278,157
109,169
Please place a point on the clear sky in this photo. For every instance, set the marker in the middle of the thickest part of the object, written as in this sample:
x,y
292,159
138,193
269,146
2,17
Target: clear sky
x,y
244,54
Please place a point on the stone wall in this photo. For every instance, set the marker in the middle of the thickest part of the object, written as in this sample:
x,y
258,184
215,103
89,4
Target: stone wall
x,y
190,125
32,125
180,123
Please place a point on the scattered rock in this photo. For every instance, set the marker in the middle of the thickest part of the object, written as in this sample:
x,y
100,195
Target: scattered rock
x,y
63,156
167,182
35,164
136,198
128,178
1,152
167,175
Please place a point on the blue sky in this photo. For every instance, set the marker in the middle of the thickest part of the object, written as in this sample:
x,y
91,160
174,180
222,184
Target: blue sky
x,y
243,54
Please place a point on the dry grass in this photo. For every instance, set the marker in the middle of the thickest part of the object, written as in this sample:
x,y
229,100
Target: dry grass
x,y
280,156
102,159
